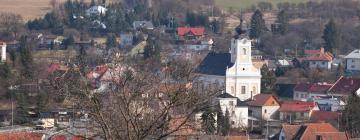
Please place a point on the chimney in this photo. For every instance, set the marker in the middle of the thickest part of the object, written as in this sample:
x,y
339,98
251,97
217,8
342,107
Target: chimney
x,y
322,50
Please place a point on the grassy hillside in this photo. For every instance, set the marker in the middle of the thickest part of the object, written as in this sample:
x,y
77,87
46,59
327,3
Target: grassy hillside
x,y
237,4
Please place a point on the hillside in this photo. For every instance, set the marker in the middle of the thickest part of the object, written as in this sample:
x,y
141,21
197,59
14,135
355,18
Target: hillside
x,y
242,4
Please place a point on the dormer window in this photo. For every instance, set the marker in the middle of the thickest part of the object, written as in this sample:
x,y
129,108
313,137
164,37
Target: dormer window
x,y
244,51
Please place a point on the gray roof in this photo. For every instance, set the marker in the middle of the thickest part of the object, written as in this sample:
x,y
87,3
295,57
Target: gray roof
x,y
215,64
354,54
143,24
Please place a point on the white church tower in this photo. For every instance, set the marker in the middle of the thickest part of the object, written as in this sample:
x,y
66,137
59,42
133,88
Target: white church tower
x,y
242,79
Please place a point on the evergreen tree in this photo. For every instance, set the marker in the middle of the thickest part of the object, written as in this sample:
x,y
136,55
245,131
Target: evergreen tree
x,y
81,59
331,37
268,79
111,41
283,21
208,121
350,117
152,49
26,58
12,55
41,102
69,41
22,108
5,71
257,26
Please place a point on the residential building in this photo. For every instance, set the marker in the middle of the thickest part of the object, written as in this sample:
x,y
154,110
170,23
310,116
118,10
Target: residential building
x,y
190,33
237,109
321,60
345,86
330,103
148,25
297,111
126,39
264,107
311,131
306,92
353,60
96,10
3,51
325,116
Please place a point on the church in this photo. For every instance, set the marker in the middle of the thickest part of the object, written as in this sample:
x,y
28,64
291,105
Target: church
x,y
235,72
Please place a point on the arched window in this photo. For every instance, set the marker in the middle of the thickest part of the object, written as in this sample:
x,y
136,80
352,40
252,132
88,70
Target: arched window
x,y
244,51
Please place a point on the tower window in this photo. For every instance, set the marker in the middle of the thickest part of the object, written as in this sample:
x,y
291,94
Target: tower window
x,y
243,89
244,51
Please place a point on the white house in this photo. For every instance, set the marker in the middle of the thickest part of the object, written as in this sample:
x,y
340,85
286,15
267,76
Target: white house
x,y
353,60
264,107
237,109
96,10
3,51
306,92
321,60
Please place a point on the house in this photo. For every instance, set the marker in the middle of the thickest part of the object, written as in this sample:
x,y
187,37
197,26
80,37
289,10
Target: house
x,y
330,103
237,109
353,60
345,86
126,39
264,107
196,45
321,60
311,131
96,10
283,63
148,25
3,51
308,52
305,91
297,111
190,33
21,136
325,116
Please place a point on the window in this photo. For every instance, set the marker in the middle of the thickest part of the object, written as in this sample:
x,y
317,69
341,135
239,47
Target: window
x,y
302,114
243,89
231,103
232,122
265,111
323,63
273,102
313,63
244,51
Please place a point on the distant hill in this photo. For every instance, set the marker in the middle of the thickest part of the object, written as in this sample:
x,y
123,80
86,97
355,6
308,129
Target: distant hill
x,y
243,4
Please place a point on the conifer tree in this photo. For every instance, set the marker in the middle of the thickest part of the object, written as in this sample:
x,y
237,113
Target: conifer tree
x,y
81,59
226,125
257,26
283,21
268,79
208,121
26,58
350,117
331,37
5,71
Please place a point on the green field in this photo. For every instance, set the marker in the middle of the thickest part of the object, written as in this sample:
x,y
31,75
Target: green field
x,y
243,4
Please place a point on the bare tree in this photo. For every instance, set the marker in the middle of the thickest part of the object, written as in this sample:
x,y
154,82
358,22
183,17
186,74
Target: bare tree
x,y
137,104
11,23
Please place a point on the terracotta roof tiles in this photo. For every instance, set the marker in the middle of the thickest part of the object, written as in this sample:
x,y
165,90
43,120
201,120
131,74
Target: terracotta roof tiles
x,y
297,106
198,31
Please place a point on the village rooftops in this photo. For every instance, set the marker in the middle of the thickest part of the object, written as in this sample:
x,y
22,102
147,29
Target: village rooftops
x,y
345,86
355,54
320,116
297,106
311,131
263,100
215,64
314,52
320,57
313,88
197,31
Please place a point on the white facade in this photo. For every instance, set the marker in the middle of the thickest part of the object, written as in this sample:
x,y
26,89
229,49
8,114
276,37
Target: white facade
x,y
96,10
320,64
353,60
238,114
3,51
242,79
300,96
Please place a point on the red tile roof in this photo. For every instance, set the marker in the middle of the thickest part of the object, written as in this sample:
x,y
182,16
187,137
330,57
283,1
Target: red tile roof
x,y
333,135
198,31
313,128
21,136
321,57
97,72
236,137
290,130
297,106
55,67
324,116
345,85
313,88
260,99
314,52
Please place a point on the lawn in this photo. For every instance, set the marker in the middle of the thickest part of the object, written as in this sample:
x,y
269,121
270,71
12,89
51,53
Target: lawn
x,y
243,4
